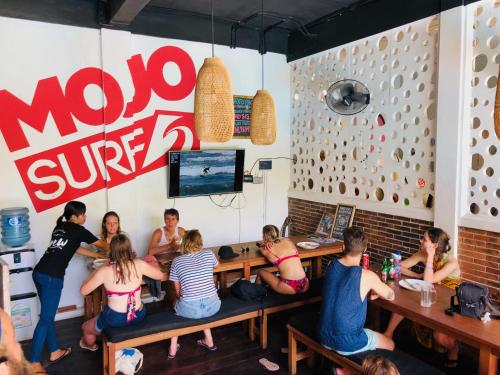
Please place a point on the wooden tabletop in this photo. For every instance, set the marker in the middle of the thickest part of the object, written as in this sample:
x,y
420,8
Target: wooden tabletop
x,y
483,335
254,258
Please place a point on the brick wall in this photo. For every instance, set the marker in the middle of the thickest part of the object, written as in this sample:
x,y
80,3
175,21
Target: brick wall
x,y
386,233
479,257
478,250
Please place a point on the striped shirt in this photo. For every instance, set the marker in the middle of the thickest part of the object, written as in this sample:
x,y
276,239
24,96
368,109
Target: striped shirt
x,y
195,274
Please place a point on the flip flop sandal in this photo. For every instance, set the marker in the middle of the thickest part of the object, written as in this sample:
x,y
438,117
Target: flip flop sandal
x,y
270,366
66,353
202,343
85,347
170,356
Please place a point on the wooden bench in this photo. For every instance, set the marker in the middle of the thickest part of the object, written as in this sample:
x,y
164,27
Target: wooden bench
x,y
164,325
302,328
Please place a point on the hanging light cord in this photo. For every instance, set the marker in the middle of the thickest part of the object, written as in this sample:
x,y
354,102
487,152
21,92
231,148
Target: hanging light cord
x,y
212,13
263,35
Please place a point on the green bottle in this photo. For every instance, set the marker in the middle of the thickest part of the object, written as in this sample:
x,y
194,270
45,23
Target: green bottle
x,y
384,271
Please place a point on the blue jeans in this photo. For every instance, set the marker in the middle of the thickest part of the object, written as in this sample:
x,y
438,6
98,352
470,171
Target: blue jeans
x,y
49,291
111,318
197,309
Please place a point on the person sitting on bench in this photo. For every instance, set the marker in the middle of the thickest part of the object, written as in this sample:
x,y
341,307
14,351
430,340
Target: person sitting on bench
x,y
283,254
192,275
378,366
345,291
122,278
168,238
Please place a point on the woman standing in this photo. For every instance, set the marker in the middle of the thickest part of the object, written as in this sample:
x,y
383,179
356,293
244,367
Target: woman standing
x,y
48,276
122,279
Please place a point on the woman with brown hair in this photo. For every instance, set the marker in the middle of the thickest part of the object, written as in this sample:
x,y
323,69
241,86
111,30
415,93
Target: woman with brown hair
x,y
122,278
440,266
110,226
378,366
283,254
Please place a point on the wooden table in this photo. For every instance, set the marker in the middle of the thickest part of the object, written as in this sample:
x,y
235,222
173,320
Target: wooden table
x,y
485,336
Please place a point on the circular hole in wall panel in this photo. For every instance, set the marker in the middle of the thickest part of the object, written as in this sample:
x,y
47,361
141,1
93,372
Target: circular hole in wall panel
x,y
474,208
310,183
479,62
397,81
493,211
382,43
485,134
491,82
397,154
379,194
342,54
431,111
489,171
395,197
492,42
476,123
492,150
491,22
342,188
399,36
477,162
322,155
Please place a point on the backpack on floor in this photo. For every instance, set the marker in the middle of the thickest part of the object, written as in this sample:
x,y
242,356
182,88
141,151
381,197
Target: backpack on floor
x,y
473,301
247,291
128,361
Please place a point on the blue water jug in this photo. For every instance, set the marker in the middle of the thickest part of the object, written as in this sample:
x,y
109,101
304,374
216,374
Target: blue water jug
x,y
15,226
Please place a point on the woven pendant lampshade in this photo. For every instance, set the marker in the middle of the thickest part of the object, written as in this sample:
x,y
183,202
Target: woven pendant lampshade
x,y
496,113
263,116
263,119
213,102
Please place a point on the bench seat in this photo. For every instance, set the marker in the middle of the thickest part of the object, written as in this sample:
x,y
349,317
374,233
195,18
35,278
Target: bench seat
x,y
303,328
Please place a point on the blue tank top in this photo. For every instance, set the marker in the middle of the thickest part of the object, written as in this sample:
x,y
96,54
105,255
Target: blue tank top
x,y
343,313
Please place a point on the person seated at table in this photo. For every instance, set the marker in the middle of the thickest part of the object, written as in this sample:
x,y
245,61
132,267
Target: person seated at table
x,y
192,275
12,361
345,298
122,278
283,254
378,366
168,238
440,266
110,226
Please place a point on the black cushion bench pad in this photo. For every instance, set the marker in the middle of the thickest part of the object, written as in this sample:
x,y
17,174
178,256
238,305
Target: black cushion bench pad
x,y
275,299
168,320
307,324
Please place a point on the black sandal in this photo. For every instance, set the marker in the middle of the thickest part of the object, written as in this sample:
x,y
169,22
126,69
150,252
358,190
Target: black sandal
x,y
66,353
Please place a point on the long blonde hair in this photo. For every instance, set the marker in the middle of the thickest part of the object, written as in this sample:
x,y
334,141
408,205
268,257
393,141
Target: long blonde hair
x,y
270,234
122,257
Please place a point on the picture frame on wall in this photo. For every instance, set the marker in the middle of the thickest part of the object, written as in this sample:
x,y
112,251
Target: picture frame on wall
x,y
325,225
343,220
242,112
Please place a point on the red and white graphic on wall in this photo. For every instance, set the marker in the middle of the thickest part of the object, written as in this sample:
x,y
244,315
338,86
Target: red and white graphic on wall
x,y
105,159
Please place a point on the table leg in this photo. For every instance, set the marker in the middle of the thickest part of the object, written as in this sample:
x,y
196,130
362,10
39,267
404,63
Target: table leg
x,y
488,362
223,283
96,302
292,354
317,268
246,271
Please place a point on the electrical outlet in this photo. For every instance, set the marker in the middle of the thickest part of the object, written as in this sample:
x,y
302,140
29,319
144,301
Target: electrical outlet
x,y
258,179
248,178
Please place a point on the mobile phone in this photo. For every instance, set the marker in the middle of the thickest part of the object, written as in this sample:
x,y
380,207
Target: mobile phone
x,y
449,311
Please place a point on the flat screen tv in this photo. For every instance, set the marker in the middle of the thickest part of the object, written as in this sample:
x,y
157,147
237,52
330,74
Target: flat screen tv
x,y
192,173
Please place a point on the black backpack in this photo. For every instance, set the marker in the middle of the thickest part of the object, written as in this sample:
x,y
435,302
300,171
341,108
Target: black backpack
x,y
247,291
473,300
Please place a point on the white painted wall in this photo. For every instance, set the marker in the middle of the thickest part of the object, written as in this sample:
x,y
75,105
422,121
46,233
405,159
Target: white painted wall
x,y
34,51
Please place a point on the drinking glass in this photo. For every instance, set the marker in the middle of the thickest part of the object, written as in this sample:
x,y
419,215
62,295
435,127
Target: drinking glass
x,y
428,295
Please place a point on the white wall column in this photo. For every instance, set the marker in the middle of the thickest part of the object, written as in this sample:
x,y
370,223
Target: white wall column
x,y
452,111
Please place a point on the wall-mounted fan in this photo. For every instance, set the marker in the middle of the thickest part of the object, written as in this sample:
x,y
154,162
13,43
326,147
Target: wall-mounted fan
x,y
347,97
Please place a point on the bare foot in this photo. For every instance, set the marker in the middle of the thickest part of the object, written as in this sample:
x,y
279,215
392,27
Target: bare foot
x,y
37,368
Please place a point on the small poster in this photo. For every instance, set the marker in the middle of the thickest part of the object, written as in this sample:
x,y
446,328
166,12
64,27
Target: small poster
x,y
242,112
325,225
343,220
21,316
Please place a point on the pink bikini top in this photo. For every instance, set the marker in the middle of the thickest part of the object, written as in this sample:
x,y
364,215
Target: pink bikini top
x,y
130,299
278,261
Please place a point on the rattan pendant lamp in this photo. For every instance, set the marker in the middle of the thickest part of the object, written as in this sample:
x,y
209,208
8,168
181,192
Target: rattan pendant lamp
x,y
213,99
263,116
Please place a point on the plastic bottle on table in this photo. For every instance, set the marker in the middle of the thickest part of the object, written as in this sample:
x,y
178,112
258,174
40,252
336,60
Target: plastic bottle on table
x,y
397,263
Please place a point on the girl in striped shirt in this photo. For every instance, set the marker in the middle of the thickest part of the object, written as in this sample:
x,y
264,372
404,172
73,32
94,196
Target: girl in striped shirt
x,y
192,275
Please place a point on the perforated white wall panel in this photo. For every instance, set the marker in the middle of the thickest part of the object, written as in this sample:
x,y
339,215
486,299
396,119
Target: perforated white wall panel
x,y
483,157
385,154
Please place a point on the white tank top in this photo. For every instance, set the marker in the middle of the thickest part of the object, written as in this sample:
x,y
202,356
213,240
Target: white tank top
x,y
163,238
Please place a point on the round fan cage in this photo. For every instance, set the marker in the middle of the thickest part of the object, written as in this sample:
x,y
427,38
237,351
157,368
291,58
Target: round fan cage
x,y
347,97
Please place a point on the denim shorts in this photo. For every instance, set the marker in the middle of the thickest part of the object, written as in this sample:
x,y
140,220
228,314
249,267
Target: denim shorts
x,y
370,345
111,318
197,309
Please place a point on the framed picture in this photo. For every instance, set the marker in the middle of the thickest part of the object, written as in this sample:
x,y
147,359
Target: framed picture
x,y
343,220
242,112
325,225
